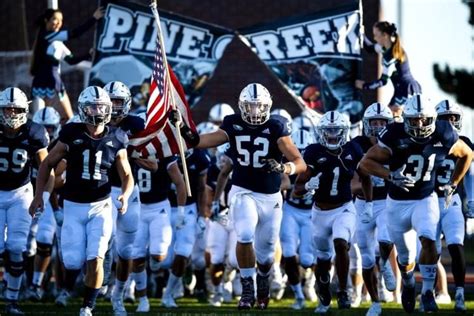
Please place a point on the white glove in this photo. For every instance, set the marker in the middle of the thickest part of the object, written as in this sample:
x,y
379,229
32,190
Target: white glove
x,y
400,180
313,183
470,227
223,217
470,209
180,217
215,209
367,213
201,225
448,189
59,217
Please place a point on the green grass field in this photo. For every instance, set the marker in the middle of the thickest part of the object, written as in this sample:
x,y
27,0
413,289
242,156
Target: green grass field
x,y
189,307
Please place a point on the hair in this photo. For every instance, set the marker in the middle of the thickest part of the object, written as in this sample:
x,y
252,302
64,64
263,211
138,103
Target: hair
x,y
391,30
38,45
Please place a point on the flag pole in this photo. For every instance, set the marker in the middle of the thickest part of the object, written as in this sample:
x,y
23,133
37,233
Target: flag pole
x,y
173,103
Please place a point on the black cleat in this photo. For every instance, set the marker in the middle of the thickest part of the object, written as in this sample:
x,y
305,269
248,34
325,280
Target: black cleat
x,y
429,302
343,301
247,300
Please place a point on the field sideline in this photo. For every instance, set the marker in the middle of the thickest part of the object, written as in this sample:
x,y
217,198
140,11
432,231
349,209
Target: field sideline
x,y
190,307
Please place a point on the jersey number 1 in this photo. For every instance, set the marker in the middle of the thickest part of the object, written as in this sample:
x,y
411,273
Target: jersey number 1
x,y
85,162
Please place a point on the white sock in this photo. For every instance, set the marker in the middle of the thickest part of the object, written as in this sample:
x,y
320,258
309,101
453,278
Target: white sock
x,y
140,280
428,274
298,290
119,288
37,278
173,281
247,272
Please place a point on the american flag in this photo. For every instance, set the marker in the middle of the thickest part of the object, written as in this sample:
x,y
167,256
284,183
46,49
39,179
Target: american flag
x,y
159,138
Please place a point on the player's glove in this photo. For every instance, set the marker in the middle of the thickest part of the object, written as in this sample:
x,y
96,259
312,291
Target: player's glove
x,y
201,225
400,180
59,217
367,213
313,183
448,189
219,215
180,222
470,209
271,165
215,209
175,117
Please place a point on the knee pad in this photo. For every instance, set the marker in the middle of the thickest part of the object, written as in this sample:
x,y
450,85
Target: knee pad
x,y
368,261
198,262
245,236
306,260
124,244
44,250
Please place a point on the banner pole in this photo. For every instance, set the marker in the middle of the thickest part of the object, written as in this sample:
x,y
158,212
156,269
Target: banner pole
x,y
173,103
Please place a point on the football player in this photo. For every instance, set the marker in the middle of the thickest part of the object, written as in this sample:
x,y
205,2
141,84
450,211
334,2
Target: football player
x,y
91,149
451,223
372,228
413,151
332,162
125,224
257,143
296,228
218,112
21,142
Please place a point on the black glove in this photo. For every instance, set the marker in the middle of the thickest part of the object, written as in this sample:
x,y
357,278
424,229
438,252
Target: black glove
x,y
175,117
271,165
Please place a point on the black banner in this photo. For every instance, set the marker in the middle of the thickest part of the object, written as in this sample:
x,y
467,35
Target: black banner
x,y
316,56
126,42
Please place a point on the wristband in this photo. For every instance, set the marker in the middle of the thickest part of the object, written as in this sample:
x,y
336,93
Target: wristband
x,y
292,168
46,196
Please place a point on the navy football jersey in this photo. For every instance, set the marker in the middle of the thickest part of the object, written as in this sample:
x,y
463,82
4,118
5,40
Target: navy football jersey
x,y
198,163
155,186
336,168
445,170
89,161
130,125
421,159
17,154
249,146
379,185
304,202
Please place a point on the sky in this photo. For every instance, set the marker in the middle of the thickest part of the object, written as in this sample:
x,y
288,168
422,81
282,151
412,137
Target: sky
x,y
433,31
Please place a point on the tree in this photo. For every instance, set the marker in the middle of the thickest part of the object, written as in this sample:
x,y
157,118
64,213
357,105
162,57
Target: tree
x,y
458,82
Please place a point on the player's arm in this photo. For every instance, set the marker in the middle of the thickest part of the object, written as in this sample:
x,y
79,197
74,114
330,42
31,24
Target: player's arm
x,y
285,182
222,178
299,189
464,154
125,173
60,174
177,178
46,166
148,164
40,156
214,139
373,162
295,162
201,194
366,184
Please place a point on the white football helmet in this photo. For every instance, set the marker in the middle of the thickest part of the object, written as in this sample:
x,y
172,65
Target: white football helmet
x,y
302,139
121,98
419,116
95,106
303,122
376,111
333,130
16,101
282,112
255,103
50,119
219,111
447,109
206,128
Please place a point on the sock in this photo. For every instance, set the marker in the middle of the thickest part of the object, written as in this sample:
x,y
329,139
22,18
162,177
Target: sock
x,y
70,279
90,296
460,290
38,278
428,274
140,280
172,284
200,279
298,290
119,288
218,288
13,287
263,274
247,272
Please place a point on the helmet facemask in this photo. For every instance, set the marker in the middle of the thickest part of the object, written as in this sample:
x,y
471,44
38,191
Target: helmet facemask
x,y
97,114
420,127
254,113
13,117
333,137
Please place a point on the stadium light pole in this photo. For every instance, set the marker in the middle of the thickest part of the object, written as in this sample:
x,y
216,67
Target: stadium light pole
x,y
53,4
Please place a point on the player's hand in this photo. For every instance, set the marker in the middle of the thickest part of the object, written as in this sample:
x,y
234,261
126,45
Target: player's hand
x,y
367,213
313,183
37,205
99,13
215,209
201,225
122,209
400,180
470,209
175,117
271,165
180,217
448,189
59,217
